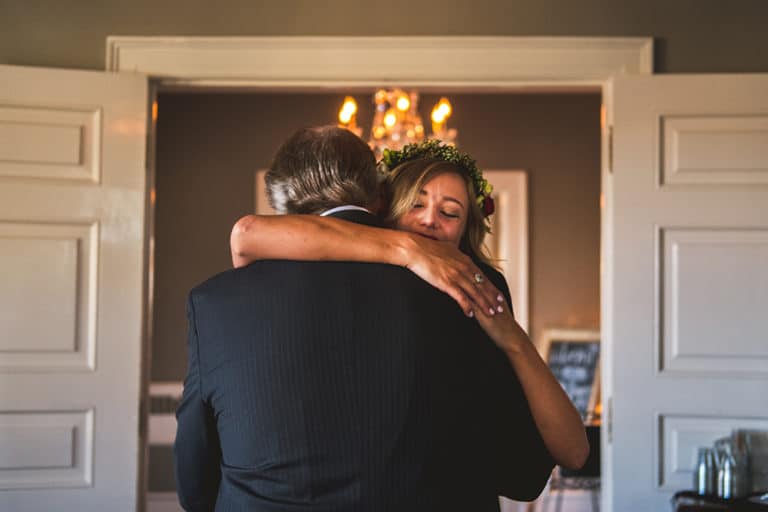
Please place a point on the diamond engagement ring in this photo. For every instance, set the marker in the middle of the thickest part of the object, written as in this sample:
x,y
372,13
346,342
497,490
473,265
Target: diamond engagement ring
x,y
479,278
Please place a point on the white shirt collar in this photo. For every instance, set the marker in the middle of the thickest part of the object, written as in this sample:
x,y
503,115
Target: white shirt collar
x,y
343,208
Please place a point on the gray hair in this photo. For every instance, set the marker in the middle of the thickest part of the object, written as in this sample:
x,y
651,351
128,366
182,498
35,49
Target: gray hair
x,y
319,168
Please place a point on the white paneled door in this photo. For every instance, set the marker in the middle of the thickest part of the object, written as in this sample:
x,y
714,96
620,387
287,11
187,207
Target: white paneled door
x,y
72,195
687,257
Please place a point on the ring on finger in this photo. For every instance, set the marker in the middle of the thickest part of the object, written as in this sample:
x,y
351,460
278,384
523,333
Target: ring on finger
x,y
478,278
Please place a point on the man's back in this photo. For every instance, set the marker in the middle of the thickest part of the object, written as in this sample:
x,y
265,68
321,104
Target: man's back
x,y
334,386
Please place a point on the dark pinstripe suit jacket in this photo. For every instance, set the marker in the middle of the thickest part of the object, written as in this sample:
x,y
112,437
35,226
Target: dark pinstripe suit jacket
x,y
346,387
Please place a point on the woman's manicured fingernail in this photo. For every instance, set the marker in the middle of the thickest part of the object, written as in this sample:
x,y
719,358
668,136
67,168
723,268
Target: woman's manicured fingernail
x,y
471,314
500,298
500,309
491,311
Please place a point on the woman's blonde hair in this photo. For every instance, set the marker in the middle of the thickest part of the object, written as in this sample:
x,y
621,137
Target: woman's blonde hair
x,y
406,181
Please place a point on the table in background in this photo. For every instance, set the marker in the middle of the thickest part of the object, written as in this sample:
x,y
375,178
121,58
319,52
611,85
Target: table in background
x,y
689,501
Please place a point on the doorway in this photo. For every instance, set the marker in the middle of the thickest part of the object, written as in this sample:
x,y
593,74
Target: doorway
x,y
487,63
210,143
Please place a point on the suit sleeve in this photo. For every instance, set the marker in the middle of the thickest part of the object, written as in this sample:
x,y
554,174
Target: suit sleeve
x,y
522,463
197,455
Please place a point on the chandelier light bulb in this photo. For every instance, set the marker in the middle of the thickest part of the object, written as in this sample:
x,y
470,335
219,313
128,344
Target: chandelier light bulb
x,y
445,107
438,116
348,110
390,118
350,104
403,103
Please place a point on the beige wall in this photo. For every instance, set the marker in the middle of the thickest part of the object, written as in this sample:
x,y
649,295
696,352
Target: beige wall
x,y
210,145
692,35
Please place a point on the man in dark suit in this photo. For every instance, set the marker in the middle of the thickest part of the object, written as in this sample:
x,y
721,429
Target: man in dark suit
x,y
344,386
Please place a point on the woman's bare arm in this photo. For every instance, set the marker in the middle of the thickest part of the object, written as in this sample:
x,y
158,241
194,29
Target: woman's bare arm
x,y
315,238
312,238
557,420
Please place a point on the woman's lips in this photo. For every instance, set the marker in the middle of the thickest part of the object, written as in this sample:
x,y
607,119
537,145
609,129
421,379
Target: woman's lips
x,y
428,236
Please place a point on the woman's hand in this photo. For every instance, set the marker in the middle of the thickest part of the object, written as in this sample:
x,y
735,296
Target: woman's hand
x,y
504,330
451,271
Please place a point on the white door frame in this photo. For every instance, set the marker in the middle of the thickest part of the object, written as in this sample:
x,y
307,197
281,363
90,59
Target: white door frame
x,y
559,64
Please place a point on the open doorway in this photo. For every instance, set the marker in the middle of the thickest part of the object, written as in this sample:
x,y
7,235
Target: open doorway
x,y
209,145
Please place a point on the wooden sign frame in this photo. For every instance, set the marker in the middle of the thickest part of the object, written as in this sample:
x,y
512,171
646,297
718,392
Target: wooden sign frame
x,y
578,336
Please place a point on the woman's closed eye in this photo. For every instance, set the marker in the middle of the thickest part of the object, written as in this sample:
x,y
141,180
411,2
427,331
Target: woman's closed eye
x,y
445,213
450,214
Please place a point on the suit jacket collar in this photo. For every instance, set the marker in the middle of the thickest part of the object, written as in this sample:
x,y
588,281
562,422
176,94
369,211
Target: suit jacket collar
x,y
358,216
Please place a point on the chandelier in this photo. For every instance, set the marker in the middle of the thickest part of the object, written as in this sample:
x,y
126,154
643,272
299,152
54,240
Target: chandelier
x,y
396,120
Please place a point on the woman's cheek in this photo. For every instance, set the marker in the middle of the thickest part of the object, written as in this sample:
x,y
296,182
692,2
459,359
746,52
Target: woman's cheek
x,y
404,223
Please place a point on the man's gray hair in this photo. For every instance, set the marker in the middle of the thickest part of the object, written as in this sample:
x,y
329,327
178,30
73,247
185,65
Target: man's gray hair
x,y
320,168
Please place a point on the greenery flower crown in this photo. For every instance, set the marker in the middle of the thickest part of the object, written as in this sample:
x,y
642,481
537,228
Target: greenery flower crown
x,y
436,149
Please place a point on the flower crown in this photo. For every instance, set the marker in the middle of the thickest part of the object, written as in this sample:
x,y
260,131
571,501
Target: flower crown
x,y
433,148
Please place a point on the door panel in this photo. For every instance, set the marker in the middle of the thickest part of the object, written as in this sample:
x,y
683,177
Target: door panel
x,y
72,195
688,277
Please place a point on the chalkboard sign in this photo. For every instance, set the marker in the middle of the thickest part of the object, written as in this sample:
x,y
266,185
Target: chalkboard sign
x,y
574,358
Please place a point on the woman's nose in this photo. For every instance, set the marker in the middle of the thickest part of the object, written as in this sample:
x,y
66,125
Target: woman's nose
x,y
429,216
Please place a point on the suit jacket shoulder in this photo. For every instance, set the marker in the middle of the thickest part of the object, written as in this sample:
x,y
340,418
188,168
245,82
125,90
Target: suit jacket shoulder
x,y
367,354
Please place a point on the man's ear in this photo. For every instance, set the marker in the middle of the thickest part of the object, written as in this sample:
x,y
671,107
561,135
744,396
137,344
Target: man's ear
x,y
381,204
375,207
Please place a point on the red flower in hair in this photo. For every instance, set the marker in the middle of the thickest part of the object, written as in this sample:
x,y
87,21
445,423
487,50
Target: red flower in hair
x,y
488,206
